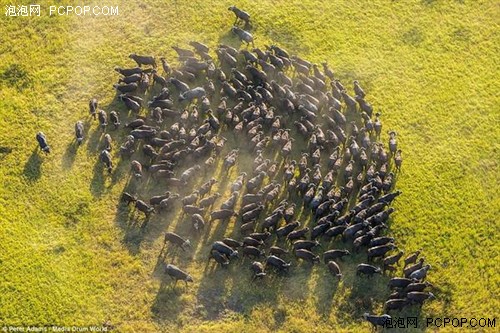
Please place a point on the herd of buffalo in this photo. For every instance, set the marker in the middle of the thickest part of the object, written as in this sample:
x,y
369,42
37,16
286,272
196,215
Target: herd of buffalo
x,y
316,154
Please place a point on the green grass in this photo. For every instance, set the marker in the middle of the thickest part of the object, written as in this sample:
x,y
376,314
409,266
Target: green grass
x,y
67,255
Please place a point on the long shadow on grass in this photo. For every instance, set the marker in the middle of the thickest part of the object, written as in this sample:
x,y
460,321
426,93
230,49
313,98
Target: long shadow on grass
x,y
168,302
70,153
325,289
121,169
32,168
366,293
224,289
97,185
94,145
137,228
365,290
412,316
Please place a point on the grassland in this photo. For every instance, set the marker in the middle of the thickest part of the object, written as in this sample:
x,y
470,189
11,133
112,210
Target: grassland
x,y
67,255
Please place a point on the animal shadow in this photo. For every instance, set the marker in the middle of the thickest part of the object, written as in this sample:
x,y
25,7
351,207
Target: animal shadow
x,y
168,302
69,155
32,169
229,38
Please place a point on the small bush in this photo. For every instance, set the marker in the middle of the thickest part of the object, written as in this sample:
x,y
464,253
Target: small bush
x,y
16,76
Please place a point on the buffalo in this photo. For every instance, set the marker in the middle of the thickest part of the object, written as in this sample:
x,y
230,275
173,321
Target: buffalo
x,y
190,95
377,320
79,131
222,214
277,263
398,282
224,249
334,269
421,273
144,208
93,103
366,269
243,35
171,237
42,142
307,255
143,60
258,270
219,257
177,274
105,158
334,255
240,15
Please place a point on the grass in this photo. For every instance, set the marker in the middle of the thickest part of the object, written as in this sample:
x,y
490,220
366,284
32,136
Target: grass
x,y
67,255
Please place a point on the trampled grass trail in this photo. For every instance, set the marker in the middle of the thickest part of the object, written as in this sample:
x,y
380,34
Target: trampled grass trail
x,y
67,257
